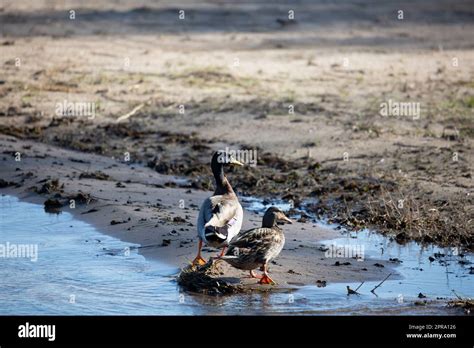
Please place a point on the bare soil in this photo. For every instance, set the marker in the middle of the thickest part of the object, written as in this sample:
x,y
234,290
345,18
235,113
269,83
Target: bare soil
x,y
236,68
138,205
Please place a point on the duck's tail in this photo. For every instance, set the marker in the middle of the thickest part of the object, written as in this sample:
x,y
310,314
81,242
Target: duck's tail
x,y
215,234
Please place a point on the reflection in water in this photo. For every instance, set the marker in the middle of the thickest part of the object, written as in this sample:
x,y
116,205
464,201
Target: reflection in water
x,y
80,271
430,270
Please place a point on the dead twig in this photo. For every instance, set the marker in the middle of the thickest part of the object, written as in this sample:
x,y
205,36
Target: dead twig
x,y
131,113
359,286
373,290
459,297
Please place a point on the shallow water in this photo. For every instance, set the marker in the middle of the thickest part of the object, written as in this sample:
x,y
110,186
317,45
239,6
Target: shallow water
x,y
81,271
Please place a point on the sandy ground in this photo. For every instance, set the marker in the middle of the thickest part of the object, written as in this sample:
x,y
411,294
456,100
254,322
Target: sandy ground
x,y
235,69
228,75
146,212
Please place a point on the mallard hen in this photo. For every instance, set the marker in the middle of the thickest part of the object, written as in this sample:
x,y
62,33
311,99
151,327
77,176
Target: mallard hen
x,y
221,215
257,247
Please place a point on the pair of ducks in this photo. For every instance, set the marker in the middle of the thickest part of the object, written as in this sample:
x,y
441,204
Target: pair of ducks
x,y
219,222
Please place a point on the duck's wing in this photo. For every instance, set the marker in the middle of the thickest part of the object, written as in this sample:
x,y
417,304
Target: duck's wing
x,y
224,209
220,212
254,240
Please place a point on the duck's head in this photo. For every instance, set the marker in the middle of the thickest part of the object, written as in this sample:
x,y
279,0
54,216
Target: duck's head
x,y
219,160
272,216
223,158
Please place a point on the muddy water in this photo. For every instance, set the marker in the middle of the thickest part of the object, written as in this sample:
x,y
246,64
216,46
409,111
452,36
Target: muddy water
x,y
81,271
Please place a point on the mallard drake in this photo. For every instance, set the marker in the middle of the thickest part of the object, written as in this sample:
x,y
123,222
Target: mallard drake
x,y
256,247
221,215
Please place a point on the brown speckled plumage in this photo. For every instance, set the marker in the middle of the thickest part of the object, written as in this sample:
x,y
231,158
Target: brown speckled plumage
x,y
256,247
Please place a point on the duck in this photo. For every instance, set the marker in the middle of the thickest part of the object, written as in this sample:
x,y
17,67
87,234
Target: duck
x,y
221,215
257,247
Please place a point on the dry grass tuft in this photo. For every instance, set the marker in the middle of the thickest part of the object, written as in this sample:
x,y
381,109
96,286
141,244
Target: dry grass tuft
x,y
416,221
466,304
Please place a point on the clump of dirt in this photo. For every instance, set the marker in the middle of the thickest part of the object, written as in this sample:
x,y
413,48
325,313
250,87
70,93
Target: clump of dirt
x,y
82,198
26,132
207,74
4,183
204,280
98,175
51,186
52,206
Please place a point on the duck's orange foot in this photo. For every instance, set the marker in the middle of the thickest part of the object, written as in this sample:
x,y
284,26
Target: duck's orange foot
x,y
199,261
266,280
